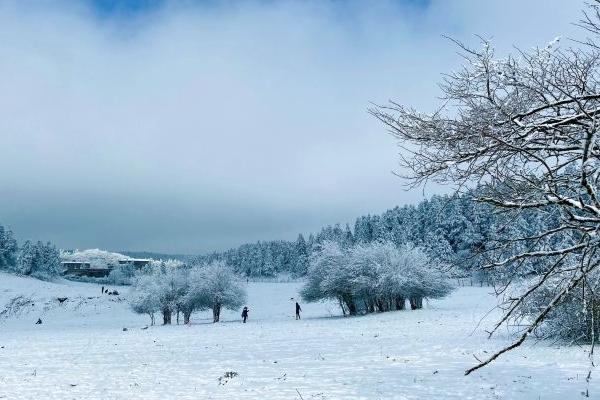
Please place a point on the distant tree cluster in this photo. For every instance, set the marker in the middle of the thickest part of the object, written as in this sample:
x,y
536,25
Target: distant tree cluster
x,y
170,288
454,230
377,276
124,274
265,259
40,260
121,275
8,249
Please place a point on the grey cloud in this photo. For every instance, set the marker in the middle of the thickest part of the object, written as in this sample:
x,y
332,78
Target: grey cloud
x,y
196,128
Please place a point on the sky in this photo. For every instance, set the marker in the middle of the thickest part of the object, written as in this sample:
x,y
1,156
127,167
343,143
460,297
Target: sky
x,y
191,126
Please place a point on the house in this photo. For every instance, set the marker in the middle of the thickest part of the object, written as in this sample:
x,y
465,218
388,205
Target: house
x,y
81,268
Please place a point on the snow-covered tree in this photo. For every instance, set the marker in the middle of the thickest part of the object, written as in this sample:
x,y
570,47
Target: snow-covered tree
x,y
525,128
144,296
375,276
214,286
170,287
424,279
301,254
8,249
40,260
388,275
329,276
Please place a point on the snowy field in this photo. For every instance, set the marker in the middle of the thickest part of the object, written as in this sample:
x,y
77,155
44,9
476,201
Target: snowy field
x,y
82,352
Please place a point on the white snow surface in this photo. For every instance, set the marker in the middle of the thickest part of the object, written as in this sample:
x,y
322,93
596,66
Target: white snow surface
x,y
81,351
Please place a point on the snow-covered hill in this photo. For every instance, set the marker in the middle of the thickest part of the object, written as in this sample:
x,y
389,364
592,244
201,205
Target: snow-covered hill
x,y
83,305
82,352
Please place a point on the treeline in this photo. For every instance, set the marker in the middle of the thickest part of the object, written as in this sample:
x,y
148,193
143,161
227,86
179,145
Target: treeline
x,y
453,229
38,259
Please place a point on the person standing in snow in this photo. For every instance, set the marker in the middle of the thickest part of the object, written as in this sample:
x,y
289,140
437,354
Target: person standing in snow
x,y
298,310
244,314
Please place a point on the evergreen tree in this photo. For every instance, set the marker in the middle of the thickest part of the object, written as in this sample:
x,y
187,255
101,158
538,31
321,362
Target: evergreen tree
x,y
8,249
39,260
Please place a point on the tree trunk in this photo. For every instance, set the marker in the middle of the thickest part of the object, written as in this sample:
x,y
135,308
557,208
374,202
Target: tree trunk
x,y
342,306
352,308
416,302
400,303
151,319
371,306
186,316
216,312
350,304
166,312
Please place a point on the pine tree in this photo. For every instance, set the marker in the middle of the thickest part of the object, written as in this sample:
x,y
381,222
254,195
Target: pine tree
x,y
8,249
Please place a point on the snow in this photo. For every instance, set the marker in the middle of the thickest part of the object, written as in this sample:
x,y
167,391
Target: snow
x,y
81,351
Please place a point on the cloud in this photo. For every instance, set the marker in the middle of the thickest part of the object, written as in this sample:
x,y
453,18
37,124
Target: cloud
x,y
192,128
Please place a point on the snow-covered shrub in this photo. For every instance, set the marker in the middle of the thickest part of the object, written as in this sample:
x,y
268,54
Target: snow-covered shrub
x,y
40,260
372,277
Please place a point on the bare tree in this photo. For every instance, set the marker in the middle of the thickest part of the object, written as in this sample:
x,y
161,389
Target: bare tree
x,y
523,129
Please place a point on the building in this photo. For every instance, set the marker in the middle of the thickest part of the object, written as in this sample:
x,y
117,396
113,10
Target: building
x,y
81,268
85,268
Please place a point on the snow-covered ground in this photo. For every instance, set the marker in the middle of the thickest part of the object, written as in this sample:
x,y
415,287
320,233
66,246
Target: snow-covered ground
x,y
81,351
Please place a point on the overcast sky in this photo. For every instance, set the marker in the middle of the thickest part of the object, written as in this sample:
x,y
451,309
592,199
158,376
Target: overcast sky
x,y
194,126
